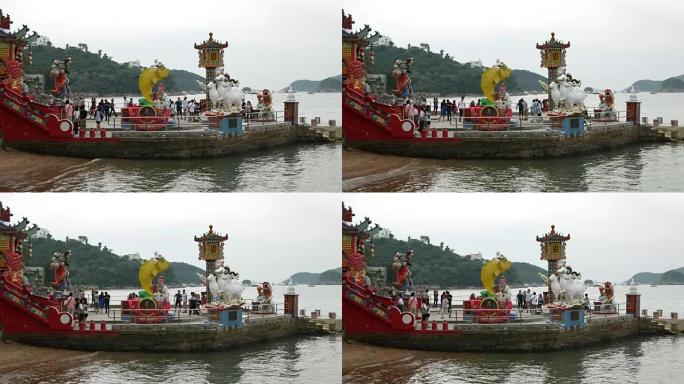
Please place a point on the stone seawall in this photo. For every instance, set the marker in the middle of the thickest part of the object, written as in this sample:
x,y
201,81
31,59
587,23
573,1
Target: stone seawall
x,y
174,145
508,337
173,337
507,145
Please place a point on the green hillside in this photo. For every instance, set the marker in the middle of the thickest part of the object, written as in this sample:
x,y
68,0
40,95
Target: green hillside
x,y
98,74
98,266
329,84
329,277
647,278
672,84
434,266
673,276
436,74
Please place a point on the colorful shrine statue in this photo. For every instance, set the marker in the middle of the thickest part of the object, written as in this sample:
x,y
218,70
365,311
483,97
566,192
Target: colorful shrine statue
x,y
567,286
356,75
148,78
400,71
225,287
58,264
14,76
264,100
356,266
402,272
58,72
149,270
264,291
491,270
606,99
490,78
606,293
15,266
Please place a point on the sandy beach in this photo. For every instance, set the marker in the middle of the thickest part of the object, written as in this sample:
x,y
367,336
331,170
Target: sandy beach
x,y
24,172
15,357
361,168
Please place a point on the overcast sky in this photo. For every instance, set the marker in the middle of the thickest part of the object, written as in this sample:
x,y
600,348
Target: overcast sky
x,y
613,42
271,236
613,236
271,42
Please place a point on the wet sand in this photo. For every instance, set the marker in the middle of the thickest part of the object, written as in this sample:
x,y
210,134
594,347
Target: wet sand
x,y
23,172
361,168
359,356
15,357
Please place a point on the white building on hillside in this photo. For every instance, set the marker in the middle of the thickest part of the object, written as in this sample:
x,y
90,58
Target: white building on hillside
x,y
133,64
474,256
384,40
475,64
132,256
41,41
384,233
42,233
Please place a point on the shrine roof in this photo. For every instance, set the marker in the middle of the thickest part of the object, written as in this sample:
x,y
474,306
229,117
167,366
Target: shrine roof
x,y
553,236
553,43
211,43
211,236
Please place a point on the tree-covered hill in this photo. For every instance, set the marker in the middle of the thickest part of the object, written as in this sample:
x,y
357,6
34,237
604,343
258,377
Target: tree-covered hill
x,y
98,266
437,266
671,277
329,277
95,73
433,73
672,84
329,84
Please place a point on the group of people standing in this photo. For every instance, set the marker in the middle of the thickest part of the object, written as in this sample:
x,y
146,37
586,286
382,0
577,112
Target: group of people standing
x,y
530,301
100,304
524,109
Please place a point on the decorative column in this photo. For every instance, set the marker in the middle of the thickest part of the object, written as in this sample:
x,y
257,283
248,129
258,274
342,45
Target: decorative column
x,y
552,250
211,251
210,57
552,58
291,301
291,108
633,108
633,301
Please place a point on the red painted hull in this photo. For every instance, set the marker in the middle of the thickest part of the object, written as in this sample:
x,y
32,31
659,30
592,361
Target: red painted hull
x,y
23,120
366,120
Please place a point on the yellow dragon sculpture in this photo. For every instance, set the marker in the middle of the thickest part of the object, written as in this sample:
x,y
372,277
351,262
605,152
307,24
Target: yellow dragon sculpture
x,y
149,270
493,76
151,76
491,269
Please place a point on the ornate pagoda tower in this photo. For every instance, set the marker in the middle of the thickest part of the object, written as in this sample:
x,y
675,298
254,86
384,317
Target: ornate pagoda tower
x,y
552,58
210,57
552,250
210,250
354,250
12,45
354,48
11,240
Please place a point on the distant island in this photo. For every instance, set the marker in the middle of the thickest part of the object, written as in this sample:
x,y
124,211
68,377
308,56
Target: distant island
x,y
329,277
672,84
437,266
329,84
98,266
439,73
97,73
671,277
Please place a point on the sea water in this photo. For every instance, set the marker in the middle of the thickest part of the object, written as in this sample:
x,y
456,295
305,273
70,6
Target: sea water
x,y
638,359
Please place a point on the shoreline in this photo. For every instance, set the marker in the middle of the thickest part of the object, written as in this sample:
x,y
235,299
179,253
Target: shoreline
x,y
361,168
27,172
15,357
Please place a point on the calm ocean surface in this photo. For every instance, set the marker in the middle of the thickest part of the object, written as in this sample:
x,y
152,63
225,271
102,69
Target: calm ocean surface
x,y
635,360
290,360
641,167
